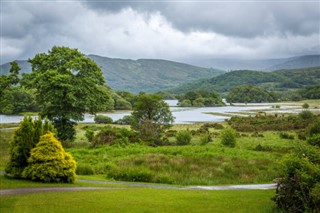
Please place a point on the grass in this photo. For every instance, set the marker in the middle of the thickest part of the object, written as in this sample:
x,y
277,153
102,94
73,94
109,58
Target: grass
x,y
10,183
8,125
141,200
195,164
5,137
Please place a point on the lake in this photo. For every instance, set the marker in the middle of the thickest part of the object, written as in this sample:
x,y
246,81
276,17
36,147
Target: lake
x,y
183,115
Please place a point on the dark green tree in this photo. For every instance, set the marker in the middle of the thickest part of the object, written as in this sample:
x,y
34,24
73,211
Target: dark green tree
x,y
67,84
298,188
17,99
250,94
6,83
25,138
11,79
151,117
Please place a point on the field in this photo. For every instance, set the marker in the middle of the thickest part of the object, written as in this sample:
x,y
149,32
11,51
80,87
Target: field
x,y
254,159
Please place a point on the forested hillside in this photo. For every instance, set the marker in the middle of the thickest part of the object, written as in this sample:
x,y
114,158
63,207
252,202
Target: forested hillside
x,y
281,80
147,75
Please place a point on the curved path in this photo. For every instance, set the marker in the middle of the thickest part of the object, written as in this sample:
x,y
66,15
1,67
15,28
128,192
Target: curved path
x,y
79,188
131,184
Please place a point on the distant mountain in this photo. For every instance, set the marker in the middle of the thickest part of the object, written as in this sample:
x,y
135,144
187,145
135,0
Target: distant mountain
x,y
279,80
267,65
147,75
23,64
298,62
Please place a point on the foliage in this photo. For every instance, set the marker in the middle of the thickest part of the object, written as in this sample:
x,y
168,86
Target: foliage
x,y
151,117
228,137
67,84
113,135
314,128
274,123
311,92
128,96
25,138
314,140
185,103
306,114
131,174
300,179
200,98
102,119
48,162
249,94
66,130
7,81
270,81
84,169
126,120
286,135
305,106
183,137
205,138
16,100
89,134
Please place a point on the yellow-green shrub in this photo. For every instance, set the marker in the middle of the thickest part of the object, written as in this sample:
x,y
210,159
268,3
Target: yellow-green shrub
x,y
25,138
49,162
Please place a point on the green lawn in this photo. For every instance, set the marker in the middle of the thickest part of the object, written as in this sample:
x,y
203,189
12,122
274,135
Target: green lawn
x,y
141,200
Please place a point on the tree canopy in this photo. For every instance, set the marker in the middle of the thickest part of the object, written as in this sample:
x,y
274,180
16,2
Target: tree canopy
x,y
67,84
250,94
151,116
200,98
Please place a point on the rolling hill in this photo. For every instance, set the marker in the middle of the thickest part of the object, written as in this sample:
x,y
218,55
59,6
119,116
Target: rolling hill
x,y
266,65
279,80
147,75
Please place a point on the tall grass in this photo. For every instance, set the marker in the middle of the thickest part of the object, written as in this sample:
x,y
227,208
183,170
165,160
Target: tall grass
x,y
192,164
5,137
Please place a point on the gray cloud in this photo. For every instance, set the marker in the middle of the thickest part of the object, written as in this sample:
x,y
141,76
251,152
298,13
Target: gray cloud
x,y
236,18
176,30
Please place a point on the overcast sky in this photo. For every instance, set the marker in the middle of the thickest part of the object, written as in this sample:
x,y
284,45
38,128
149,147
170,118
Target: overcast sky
x,y
173,30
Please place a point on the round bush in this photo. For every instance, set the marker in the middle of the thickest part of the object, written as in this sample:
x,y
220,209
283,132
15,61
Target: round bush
x,y
183,137
228,137
49,162
314,140
306,114
102,119
84,169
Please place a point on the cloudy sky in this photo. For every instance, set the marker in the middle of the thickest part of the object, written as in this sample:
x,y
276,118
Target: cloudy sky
x,y
173,30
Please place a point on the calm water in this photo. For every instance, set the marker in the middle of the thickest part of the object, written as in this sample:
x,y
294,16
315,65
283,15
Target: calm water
x,y
183,115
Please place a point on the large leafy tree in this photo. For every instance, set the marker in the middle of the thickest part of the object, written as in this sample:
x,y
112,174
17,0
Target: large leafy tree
x,y
151,117
67,84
